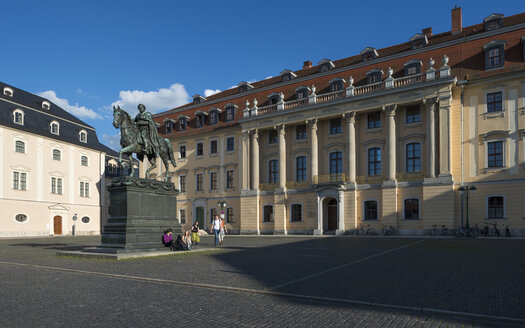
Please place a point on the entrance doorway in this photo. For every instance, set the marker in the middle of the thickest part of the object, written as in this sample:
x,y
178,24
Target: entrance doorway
x,y
57,225
331,214
200,216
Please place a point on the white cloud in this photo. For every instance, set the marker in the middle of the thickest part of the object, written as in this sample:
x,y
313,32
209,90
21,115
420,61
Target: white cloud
x,y
79,111
155,101
209,92
112,141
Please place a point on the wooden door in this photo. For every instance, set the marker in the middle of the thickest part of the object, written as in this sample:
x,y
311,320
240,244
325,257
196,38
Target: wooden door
x,y
332,217
57,225
200,216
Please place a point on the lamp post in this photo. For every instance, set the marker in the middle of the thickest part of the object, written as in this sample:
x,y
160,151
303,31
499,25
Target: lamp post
x,y
74,230
467,189
222,205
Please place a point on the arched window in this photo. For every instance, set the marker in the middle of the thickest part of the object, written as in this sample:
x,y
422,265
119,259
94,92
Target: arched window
x,y
56,154
84,161
82,136
18,116
55,127
20,146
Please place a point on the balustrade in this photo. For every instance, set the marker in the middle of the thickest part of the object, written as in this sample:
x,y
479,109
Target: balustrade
x,y
267,186
374,179
330,178
297,184
410,176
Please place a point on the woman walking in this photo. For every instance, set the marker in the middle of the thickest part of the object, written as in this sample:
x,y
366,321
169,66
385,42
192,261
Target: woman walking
x,y
215,228
195,238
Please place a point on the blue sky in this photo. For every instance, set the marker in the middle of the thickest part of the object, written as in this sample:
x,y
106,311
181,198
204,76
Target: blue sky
x,y
87,55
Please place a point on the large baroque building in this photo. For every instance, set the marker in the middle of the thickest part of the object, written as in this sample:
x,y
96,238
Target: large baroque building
x,y
52,169
385,137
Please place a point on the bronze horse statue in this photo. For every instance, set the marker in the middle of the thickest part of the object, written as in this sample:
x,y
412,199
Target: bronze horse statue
x,y
129,140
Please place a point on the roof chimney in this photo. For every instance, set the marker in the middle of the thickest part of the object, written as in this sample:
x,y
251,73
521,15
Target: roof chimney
x,y
307,64
457,26
427,31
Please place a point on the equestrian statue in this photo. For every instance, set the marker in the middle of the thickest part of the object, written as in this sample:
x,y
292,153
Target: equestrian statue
x,y
140,136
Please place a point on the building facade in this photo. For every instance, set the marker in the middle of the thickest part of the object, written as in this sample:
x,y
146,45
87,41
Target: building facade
x,y
384,138
52,169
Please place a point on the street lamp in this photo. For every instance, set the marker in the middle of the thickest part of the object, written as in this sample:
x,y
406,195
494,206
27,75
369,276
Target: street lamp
x,y
222,205
467,189
74,230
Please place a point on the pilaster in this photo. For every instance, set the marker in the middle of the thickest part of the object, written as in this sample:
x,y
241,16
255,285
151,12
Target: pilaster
x,y
350,124
255,159
282,156
313,149
391,126
430,105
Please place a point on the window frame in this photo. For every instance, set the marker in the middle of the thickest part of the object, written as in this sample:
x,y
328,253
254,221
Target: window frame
x,y
293,212
56,155
229,114
84,160
199,181
82,136
503,151
300,171
182,151
230,215
230,179
18,113
406,208
374,123
365,210
410,114
375,162
214,146
230,141
267,217
300,135
273,137
491,46
336,128
374,76
411,167
19,180
199,149
503,207
20,146
182,183
273,171
51,125
182,216
338,161
214,185
502,102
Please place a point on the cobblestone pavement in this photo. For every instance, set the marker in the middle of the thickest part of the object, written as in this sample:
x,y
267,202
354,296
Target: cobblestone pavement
x,y
269,281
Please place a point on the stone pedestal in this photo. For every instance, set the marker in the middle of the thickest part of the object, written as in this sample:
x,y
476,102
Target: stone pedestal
x,y
140,211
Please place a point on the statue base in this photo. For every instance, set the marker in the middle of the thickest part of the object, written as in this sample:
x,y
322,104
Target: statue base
x,y
140,211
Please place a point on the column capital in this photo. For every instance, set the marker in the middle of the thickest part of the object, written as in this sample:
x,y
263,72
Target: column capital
x,y
313,123
390,110
280,128
430,102
254,133
351,117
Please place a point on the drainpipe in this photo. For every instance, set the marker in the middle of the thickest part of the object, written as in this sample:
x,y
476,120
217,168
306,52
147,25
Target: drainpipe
x,y
462,84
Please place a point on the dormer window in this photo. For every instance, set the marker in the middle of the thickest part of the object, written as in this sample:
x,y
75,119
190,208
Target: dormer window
x,y
493,22
197,99
8,92
183,122
412,67
337,84
18,116
325,65
418,41
200,118
229,112
273,98
82,135
168,125
374,76
494,54
302,92
46,105
244,86
214,115
287,75
368,53
55,127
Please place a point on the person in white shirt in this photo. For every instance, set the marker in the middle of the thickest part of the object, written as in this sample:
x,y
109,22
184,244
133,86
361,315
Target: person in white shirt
x,y
216,228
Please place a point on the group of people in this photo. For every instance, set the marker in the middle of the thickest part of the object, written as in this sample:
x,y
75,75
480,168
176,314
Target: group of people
x,y
218,228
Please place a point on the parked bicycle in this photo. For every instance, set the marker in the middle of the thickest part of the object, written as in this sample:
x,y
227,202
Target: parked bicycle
x,y
494,232
387,231
371,231
444,231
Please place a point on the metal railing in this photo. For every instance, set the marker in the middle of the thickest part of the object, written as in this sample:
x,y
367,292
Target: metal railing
x,y
297,184
410,176
374,179
268,186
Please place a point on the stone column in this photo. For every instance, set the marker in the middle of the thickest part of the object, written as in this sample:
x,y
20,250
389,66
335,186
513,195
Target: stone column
x,y
245,161
391,126
313,150
255,159
350,126
430,105
444,136
282,156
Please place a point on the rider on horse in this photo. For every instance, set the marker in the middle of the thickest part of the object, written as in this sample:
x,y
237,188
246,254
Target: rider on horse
x,y
148,137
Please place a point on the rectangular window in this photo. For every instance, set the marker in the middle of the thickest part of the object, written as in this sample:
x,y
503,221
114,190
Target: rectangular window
x,y
494,102
182,216
374,161
168,126
371,210
199,180
213,117
494,57
199,121
213,147
182,183
273,171
411,209
20,147
230,144
229,179
182,151
495,154
268,213
59,186
300,168
374,120
84,189
56,154
16,180
336,86
182,124
56,186
229,114
335,126
81,189
23,179
229,215
300,132
84,161
296,214
200,149
413,114
413,157
495,207
272,137
213,180
336,162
